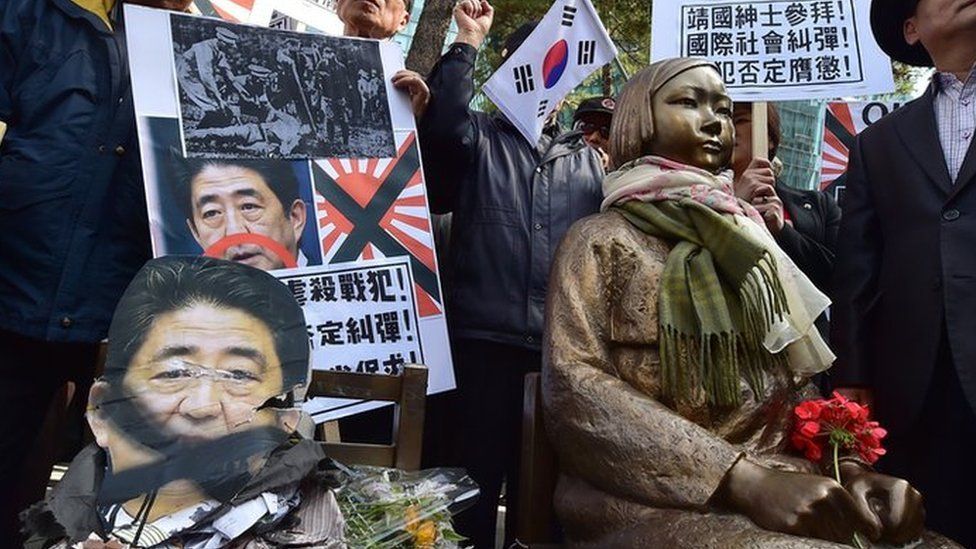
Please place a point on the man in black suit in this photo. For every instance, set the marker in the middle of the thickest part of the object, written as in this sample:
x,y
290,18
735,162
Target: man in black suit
x,y
904,316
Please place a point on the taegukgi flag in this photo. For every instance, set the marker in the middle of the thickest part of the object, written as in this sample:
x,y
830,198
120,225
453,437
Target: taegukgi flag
x,y
566,47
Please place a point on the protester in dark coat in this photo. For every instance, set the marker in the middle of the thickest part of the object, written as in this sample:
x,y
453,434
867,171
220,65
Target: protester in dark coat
x,y
72,213
593,118
904,314
804,223
512,202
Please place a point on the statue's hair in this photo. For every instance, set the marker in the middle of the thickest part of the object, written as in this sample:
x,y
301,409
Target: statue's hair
x,y
633,120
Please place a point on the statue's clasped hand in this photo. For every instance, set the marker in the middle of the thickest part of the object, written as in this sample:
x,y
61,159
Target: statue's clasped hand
x,y
873,505
893,504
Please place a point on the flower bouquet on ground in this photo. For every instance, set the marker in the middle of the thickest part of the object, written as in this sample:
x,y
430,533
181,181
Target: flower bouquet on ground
x,y
393,509
837,428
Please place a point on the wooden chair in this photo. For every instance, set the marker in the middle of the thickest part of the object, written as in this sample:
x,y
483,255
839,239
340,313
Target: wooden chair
x,y
536,526
408,392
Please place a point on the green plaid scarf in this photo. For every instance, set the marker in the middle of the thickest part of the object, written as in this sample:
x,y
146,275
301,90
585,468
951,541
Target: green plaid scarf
x,y
720,293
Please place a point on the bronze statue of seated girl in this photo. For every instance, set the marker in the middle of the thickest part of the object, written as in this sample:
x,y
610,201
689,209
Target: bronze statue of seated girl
x,y
680,338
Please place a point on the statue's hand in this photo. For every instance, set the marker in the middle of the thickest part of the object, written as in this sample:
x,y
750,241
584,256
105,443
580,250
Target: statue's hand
x,y
795,503
895,506
783,462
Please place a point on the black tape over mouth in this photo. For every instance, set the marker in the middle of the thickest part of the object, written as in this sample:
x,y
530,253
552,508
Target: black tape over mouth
x,y
220,467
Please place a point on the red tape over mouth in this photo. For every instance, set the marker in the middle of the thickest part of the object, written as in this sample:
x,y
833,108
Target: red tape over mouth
x,y
218,248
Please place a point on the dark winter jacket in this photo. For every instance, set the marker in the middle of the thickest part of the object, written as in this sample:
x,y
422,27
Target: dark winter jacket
x,y
73,226
512,202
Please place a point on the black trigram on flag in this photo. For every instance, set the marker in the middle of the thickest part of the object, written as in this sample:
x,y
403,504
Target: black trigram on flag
x,y
524,82
586,52
569,15
543,107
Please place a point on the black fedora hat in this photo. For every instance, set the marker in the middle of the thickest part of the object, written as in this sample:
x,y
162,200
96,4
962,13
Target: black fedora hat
x,y
888,23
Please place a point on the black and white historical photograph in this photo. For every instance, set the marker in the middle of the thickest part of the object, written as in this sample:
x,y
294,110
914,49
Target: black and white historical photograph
x,y
254,92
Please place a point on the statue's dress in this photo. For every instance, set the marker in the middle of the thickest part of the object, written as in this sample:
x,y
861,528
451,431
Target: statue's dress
x,y
637,471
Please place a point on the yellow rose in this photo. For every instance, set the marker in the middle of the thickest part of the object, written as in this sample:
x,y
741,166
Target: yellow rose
x,y
426,535
412,518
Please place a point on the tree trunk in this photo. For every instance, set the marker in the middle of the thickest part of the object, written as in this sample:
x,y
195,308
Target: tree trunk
x,y
428,41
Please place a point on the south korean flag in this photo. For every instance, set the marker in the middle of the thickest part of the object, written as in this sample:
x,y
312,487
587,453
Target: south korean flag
x,y
567,46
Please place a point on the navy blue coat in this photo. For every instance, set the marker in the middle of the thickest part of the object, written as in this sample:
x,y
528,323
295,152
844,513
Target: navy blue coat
x,y
73,227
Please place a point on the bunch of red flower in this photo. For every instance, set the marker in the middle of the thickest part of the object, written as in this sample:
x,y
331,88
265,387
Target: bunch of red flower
x,y
837,422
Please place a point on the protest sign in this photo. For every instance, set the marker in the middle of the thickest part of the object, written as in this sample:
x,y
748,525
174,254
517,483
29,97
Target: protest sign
x,y
777,50
567,46
360,318
290,152
844,121
299,89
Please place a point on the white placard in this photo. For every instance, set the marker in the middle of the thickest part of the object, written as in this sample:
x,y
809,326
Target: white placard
x,y
361,317
777,50
314,15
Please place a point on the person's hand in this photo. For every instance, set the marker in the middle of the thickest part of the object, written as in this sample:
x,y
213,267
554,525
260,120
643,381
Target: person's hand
x,y
860,395
757,186
770,206
474,19
757,177
795,503
894,505
414,84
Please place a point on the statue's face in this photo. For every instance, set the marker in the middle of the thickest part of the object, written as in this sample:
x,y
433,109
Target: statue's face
x,y
693,120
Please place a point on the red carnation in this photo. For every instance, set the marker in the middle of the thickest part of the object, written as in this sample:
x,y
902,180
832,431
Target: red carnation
x,y
811,450
809,410
836,425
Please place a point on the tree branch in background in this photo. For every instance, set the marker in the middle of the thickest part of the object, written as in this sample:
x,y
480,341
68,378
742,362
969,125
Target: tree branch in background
x,y
428,41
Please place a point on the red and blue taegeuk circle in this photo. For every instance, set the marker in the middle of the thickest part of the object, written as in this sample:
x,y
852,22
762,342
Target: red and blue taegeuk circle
x,y
555,63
